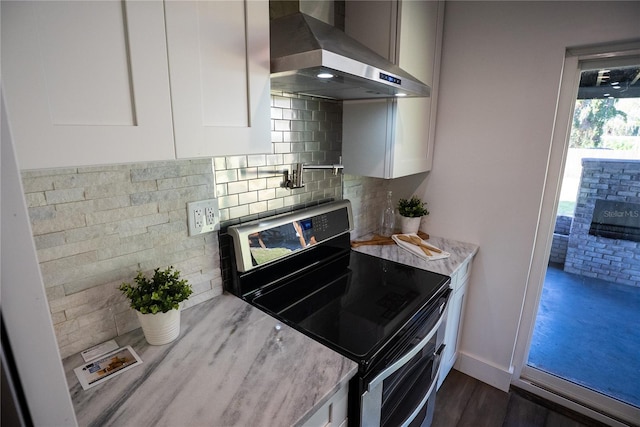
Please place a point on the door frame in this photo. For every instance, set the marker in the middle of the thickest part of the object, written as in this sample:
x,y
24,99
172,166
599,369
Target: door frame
x,y
550,387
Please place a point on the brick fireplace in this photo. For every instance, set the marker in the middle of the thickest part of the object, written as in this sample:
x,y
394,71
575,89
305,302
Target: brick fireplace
x,y
616,183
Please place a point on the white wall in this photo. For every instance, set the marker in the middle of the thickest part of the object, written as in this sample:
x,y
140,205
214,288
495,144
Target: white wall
x,y
31,337
501,69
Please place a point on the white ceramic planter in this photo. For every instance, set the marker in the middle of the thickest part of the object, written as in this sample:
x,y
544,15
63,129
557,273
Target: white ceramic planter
x,y
409,225
160,328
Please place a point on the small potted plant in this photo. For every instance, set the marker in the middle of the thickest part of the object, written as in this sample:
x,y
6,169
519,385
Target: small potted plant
x,y
157,303
411,211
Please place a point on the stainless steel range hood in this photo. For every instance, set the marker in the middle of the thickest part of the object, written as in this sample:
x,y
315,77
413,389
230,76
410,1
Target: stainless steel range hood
x,y
303,48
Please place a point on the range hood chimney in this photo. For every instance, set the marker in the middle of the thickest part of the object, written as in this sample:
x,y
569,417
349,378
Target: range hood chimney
x,y
313,58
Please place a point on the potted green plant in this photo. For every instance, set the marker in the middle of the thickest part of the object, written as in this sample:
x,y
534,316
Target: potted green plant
x,y
157,303
411,211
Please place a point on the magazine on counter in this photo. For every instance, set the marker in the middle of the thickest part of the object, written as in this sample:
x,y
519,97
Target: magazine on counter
x,y
107,366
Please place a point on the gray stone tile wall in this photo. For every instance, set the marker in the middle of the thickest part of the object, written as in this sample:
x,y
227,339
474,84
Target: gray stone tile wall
x,y
563,224
95,227
560,240
613,260
559,245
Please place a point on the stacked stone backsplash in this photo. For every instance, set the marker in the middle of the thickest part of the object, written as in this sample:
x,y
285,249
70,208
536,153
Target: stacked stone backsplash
x,y
94,227
613,260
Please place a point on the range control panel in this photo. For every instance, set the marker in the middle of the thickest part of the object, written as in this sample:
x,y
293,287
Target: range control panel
x,y
262,241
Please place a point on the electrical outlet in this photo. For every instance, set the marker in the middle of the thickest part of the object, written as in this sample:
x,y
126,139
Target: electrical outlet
x,y
210,215
202,216
198,218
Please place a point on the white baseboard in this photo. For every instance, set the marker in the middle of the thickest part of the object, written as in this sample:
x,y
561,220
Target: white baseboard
x,y
487,372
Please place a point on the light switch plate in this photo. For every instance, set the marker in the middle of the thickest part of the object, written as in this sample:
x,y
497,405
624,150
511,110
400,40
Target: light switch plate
x,y
202,216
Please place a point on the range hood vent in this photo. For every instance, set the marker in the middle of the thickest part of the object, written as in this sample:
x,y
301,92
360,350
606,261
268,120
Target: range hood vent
x,y
302,48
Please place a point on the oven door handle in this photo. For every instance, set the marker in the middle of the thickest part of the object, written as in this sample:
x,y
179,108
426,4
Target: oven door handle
x,y
404,359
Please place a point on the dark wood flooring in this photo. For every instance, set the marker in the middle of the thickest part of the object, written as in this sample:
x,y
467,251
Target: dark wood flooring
x,y
465,401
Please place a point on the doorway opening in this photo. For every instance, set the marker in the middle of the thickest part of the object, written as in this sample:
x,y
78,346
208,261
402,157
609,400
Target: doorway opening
x,y
585,335
587,329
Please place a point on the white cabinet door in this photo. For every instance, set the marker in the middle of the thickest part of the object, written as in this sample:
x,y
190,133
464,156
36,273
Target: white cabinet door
x,y
333,413
405,127
420,31
86,82
219,68
455,317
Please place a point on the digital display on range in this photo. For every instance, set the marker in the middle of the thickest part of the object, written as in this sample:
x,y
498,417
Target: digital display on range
x,y
389,78
306,224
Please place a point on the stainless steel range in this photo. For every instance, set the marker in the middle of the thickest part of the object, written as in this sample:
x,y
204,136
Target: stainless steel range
x,y
388,317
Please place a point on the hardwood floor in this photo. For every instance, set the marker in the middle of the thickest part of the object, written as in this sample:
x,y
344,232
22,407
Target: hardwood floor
x,y
464,401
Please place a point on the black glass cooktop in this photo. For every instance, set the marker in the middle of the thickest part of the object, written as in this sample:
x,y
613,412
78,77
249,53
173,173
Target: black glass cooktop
x,y
354,304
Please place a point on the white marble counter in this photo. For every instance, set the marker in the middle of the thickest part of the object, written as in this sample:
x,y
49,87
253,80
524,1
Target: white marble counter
x,y
460,252
230,366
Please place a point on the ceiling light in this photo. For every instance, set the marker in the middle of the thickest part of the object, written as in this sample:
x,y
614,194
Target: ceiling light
x,y
616,87
607,94
325,76
615,83
401,94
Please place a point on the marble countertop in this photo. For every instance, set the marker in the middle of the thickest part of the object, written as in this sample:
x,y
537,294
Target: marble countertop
x,y
230,366
460,252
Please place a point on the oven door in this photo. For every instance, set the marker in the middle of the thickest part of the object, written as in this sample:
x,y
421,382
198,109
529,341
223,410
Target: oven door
x,y
403,392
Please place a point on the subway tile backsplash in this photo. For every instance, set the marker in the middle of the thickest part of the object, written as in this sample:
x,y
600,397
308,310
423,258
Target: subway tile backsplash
x,y
303,130
368,198
94,227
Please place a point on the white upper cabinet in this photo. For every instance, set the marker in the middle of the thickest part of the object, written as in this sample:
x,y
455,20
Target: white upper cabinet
x,y
86,82
394,138
92,82
219,69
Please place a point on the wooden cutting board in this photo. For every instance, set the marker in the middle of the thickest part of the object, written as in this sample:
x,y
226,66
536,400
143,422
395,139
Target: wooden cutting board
x,y
376,240
381,240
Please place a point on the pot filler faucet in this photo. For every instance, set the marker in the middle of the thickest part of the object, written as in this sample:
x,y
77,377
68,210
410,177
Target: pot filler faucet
x,y
295,180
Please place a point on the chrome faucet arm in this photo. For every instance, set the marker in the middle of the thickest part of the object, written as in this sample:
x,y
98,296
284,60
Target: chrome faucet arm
x,y
295,181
